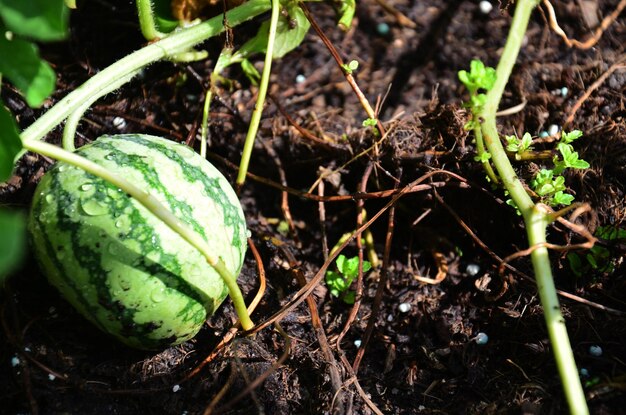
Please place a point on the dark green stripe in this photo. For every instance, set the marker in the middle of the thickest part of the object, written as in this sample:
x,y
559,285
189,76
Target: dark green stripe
x,y
212,187
167,269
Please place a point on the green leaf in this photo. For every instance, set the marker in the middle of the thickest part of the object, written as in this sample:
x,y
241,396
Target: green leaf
x,y
370,122
527,140
562,198
570,157
21,64
346,12
10,143
571,136
479,76
288,37
12,242
248,68
483,157
44,20
349,297
163,15
575,264
513,143
290,33
465,79
610,233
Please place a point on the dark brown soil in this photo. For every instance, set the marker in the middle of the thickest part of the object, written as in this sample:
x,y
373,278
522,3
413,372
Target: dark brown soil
x,y
422,356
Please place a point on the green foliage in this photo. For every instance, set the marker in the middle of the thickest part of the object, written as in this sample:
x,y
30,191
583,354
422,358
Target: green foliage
x,y
548,183
568,138
551,188
598,259
370,122
479,78
339,281
516,145
350,66
44,20
163,15
22,65
290,33
10,143
346,13
12,242
569,159
482,157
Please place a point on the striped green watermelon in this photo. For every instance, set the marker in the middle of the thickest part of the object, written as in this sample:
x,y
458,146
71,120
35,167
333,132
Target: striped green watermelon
x,y
119,265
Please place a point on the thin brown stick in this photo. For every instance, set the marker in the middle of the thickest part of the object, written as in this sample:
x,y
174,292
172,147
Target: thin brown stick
x,y
303,131
321,208
284,203
232,332
333,51
597,34
252,385
329,357
498,259
419,187
359,282
382,282
617,65
355,380
222,392
304,292
397,14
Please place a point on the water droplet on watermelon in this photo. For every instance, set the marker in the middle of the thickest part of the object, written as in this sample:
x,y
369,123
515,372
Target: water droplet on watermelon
x,y
122,222
158,294
85,187
49,198
94,207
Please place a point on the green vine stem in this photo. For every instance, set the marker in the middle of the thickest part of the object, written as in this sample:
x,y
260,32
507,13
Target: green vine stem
x,y
126,67
158,210
260,101
536,217
146,20
480,150
71,124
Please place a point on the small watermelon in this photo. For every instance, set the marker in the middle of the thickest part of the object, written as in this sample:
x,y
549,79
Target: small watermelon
x,y
115,262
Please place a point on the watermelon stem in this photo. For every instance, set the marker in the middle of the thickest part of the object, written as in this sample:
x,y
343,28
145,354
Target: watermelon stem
x,y
260,101
158,210
126,68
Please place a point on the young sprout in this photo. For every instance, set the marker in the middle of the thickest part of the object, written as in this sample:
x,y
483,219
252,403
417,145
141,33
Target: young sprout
x,y
339,281
350,66
515,145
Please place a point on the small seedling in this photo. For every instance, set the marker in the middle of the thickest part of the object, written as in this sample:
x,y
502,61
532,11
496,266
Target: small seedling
x,y
598,258
339,281
350,66
517,145
551,188
479,78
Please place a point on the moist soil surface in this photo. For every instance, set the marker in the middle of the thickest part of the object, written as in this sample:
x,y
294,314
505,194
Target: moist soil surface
x,y
439,326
